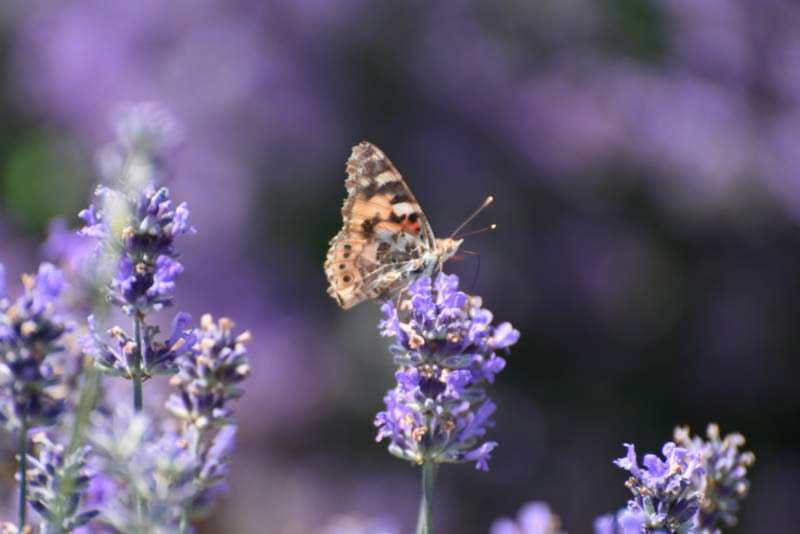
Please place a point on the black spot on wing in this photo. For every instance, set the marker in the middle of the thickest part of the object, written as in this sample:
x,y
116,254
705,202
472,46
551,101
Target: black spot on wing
x,y
368,226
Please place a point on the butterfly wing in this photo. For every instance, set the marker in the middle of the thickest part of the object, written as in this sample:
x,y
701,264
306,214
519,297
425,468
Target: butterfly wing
x,y
384,231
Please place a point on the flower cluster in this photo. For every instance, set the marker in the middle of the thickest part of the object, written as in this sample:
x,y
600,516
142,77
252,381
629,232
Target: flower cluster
x,y
131,453
696,489
626,521
30,331
209,377
533,518
57,481
724,485
160,479
445,346
666,492
119,356
137,221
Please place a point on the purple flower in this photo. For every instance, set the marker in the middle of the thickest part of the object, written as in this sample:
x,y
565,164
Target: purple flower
x,y
445,347
30,332
116,357
624,522
209,377
724,484
137,222
666,492
50,471
533,518
177,474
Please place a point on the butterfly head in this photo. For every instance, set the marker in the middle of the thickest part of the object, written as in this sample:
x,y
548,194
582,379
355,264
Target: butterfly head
x,y
446,248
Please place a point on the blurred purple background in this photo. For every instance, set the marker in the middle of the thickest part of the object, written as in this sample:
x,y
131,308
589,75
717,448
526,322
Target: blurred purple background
x,y
644,156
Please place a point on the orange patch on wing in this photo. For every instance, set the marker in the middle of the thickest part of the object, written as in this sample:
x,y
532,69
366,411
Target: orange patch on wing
x,y
376,205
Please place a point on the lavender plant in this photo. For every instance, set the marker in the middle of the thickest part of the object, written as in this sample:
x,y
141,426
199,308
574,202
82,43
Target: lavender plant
x,y
445,347
696,489
160,475
31,331
135,225
173,475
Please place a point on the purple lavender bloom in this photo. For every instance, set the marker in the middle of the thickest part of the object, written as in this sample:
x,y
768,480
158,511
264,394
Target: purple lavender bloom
x,y
533,518
137,222
724,485
666,492
446,348
624,522
177,474
30,331
209,377
116,357
145,465
50,472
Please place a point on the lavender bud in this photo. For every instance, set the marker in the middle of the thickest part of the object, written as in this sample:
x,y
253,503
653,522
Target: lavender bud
x,y
208,377
57,481
724,484
30,332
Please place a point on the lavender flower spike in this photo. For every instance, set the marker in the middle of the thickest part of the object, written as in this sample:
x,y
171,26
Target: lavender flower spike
x,y
446,350
50,472
30,331
137,222
209,377
724,485
665,492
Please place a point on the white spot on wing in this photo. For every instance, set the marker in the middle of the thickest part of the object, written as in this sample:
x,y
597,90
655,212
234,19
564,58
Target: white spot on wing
x,y
403,208
385,178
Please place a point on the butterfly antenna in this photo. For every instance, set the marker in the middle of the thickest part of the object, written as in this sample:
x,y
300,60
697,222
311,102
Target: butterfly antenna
x,y
479,231
474,214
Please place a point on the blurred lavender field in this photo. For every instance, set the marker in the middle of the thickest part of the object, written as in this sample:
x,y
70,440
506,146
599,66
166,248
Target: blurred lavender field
x,y
644,159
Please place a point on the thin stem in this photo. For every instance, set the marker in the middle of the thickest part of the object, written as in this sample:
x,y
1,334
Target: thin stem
x,y
137,393
88,396
137,363
23,464
425,520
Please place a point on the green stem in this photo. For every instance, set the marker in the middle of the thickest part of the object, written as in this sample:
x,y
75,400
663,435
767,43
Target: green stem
x,y
89,389
137,363
425,520
23,464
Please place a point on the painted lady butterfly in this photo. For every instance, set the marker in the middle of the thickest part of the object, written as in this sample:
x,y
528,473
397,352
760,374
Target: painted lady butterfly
x,y
386,242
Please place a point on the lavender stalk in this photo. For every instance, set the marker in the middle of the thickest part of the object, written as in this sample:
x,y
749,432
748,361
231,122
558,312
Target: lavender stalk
x,y
30,332
446,349
135,225
22,449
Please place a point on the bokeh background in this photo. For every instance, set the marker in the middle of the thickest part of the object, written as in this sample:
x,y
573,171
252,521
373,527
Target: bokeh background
x,y
644,156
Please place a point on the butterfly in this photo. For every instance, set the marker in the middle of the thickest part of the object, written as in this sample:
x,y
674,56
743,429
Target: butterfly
x,y
386,242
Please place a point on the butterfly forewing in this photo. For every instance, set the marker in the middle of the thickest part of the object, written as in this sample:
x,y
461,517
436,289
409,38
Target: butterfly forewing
x,y
384,229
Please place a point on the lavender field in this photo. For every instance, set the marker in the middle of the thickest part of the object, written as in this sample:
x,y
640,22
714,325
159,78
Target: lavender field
x,y
617,356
